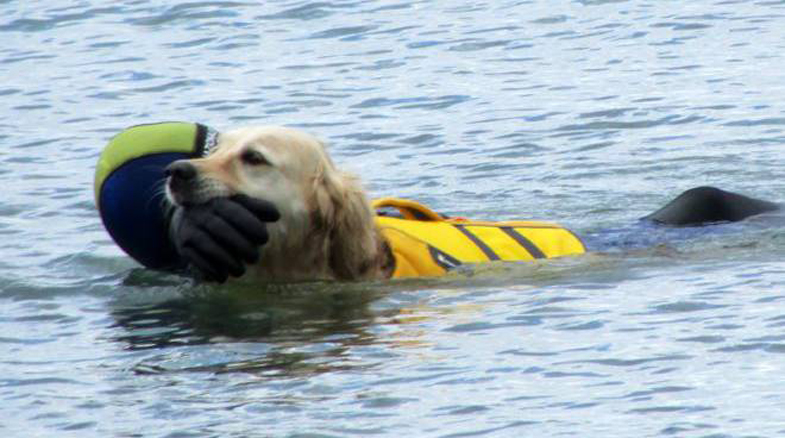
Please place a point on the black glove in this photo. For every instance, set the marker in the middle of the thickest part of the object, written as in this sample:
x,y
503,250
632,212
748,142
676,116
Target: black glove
x,y
219,237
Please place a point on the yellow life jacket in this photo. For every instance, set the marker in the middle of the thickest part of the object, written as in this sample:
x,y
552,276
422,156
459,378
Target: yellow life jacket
x,y
424,243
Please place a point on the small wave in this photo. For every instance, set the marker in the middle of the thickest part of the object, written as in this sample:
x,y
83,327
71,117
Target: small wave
x,y
430,103
682,26
55,20
186,12
343,32
310,11
638,124
770,121
169,86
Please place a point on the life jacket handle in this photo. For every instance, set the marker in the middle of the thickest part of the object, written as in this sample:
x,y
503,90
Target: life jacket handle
x,y
411,210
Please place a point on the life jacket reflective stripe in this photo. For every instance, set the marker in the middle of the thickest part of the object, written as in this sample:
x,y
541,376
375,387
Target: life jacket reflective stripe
x,y
424,243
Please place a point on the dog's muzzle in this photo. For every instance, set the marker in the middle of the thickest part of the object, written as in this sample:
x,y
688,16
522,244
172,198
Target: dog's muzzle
x,y
187,185
182,177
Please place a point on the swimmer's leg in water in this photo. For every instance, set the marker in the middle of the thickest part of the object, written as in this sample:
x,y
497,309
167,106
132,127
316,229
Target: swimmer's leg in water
x,y
703,205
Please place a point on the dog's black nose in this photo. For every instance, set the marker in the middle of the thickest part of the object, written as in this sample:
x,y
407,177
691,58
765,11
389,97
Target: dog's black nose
x,y
181,170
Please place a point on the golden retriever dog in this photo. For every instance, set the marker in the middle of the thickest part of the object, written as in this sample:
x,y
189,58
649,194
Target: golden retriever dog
x,y
326,229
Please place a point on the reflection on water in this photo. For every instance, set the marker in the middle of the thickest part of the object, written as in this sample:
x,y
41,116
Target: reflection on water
x,y
298,328
290,330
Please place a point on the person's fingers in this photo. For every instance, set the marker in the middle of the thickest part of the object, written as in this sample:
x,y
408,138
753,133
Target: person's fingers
x,y
230,239
217,238
216,255
263,209
206,269
243,221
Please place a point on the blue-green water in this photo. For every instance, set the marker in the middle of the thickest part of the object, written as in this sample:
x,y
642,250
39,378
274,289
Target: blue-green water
x,y
590,113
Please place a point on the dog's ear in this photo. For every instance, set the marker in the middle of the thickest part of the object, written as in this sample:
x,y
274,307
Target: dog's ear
x,y
343,218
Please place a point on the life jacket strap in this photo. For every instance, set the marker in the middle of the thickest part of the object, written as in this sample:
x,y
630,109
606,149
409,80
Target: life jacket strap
x,y
409,209
524,242
477,242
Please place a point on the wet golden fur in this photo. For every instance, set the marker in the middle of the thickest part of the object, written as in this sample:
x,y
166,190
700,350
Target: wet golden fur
x,y
326,229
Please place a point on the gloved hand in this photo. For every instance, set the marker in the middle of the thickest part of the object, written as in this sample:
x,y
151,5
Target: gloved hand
x,y
219,237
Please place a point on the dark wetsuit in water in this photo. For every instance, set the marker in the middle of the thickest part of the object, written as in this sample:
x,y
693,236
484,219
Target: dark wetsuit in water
x,y
703,205
683,218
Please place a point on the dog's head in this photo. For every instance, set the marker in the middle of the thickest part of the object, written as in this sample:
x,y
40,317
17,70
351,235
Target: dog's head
x,y
269,162
322,209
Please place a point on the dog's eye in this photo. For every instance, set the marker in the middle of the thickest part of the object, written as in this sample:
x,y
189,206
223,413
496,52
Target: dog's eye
x,y
254,158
